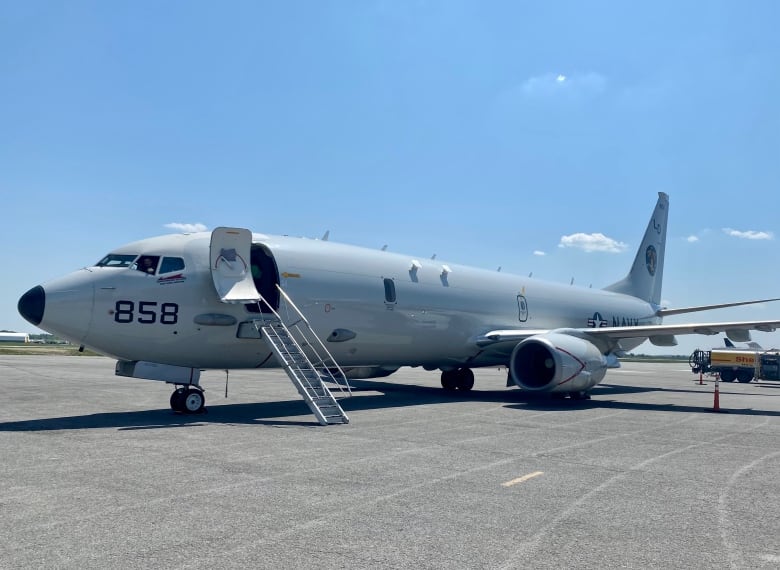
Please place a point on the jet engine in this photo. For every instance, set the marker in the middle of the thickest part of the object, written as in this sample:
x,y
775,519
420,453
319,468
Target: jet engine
x,y
557,362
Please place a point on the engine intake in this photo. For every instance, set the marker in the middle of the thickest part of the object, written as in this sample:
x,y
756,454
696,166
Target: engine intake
x,y
557,362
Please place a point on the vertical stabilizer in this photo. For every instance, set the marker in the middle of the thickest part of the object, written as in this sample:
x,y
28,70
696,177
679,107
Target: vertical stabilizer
x,y
646,275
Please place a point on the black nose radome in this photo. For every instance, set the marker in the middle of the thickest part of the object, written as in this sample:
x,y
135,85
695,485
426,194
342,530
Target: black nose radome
x,y
32,304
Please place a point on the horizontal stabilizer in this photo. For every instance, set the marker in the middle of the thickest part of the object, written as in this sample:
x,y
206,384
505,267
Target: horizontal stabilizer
x,y
683,311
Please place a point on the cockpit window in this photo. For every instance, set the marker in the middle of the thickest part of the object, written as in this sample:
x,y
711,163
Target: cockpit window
x,y
170,264
116,260
147,264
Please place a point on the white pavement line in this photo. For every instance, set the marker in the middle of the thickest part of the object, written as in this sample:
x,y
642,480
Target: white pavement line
x,y
525,548
732,549
325,519
522,479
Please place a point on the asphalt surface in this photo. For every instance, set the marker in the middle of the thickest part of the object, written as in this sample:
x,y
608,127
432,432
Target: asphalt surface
x,y
97,472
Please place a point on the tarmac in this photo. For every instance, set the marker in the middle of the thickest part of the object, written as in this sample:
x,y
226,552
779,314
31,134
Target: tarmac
x,y
97,472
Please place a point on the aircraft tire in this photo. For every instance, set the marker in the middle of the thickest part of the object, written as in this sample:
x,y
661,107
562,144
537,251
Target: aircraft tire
x,y
449,380
581,395
465,378
193,401
177,400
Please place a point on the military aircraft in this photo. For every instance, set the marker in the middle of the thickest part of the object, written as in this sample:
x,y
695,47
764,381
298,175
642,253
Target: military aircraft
x,y
168,307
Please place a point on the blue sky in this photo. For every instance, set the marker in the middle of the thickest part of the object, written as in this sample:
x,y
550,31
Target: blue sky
x,y
488,133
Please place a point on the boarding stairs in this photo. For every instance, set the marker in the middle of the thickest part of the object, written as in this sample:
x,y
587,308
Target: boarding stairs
x,y
306,361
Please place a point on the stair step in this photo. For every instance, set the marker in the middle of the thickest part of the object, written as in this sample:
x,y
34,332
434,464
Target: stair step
x,y
307,377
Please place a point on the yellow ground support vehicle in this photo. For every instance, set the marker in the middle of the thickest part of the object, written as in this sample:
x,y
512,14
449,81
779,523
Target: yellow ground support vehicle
x,y
742,365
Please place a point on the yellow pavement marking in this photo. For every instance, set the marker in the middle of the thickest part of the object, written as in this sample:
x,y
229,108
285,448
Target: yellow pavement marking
x,y
522,479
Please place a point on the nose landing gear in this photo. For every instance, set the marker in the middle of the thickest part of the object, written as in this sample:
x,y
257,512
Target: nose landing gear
x,y
188,400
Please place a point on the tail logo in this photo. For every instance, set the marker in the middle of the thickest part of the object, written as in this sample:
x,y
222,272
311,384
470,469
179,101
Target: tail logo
x,y
651,258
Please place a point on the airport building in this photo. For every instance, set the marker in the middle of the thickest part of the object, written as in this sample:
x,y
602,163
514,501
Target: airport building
x,y
14,337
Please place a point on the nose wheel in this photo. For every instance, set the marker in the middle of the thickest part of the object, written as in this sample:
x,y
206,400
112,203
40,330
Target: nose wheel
x,y
188,400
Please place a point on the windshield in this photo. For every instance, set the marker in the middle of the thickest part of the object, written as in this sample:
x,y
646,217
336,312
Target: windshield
x,y
116,260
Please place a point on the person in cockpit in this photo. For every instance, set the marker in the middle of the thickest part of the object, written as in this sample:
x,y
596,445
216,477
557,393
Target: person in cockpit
x,y
147,264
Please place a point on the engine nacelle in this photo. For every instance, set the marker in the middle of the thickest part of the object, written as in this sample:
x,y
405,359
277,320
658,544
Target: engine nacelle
x,y
557,362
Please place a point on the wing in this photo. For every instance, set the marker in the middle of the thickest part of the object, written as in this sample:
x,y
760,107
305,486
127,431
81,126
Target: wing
x,y
608,338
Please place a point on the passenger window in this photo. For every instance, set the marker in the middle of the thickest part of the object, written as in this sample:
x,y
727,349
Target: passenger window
x,y
147,264
170,264
389,291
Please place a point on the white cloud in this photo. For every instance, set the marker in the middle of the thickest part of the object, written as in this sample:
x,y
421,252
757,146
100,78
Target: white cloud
x,y
539,253
550,83
592,242
692,239
749,234
187,228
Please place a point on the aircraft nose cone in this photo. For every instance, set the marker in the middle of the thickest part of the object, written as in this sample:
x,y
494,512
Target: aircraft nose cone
x,y
32,304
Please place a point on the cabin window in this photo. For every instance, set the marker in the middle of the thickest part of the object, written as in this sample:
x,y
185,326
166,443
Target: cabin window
x,y
170,264
522,308
116,260
389,291
147,264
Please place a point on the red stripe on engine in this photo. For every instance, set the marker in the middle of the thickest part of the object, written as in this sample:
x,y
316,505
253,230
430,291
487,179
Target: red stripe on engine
x,y
573,376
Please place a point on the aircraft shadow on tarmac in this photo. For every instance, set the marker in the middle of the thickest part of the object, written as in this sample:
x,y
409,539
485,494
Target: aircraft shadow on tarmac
x,y
389,396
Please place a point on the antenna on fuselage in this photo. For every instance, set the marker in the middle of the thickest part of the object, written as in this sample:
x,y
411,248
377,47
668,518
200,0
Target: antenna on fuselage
x,y
433,257
325,236
384,247
499,269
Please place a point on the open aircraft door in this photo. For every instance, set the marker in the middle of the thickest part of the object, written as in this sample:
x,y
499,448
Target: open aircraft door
x,y
230,270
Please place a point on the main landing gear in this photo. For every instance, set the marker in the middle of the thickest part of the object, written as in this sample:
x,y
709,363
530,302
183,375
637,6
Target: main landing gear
x,y
460,379
580,395
188,400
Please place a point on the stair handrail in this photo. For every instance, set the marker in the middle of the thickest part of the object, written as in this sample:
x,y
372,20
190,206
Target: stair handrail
x,y
326,367
297,374
327,363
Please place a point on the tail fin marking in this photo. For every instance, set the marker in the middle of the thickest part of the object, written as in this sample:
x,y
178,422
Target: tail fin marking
x,y
646,275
